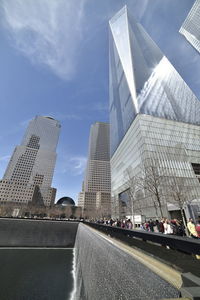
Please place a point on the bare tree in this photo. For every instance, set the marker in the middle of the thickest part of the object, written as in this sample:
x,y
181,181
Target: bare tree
x,y
131,188
179,191
103,212
152,181
115,210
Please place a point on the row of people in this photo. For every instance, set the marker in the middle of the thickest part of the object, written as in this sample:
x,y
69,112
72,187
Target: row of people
x,y
164,226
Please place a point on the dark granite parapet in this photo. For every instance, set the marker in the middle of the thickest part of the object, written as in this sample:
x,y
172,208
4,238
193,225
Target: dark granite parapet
x,y
37,233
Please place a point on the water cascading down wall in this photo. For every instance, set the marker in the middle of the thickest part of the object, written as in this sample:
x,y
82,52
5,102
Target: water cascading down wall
x,y
104,271
101,270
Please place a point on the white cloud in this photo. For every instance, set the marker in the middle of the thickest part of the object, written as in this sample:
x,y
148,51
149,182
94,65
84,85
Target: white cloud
x,y
5,158
48,32
138,7
99,106
75,165
95,106
25,123
63,116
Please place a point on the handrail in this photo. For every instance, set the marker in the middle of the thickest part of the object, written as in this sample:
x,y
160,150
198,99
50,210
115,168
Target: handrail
x,y
184,244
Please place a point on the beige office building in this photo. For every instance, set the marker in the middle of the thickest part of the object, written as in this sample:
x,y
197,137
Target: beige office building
x,y
29,174
95,195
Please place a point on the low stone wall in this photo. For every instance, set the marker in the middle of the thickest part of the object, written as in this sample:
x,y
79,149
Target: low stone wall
x,y
37,233
104,271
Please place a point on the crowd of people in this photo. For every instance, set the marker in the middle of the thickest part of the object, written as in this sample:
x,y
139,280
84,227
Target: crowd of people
x,y
164,226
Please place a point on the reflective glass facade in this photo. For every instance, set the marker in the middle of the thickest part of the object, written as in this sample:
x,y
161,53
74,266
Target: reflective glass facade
x,y
173,146
143,81
191,26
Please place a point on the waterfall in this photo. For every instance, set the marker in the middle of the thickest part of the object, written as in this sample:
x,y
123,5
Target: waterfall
x,y
104,271
73,293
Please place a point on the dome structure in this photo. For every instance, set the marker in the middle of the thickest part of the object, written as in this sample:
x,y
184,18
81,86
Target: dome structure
x,y
65,201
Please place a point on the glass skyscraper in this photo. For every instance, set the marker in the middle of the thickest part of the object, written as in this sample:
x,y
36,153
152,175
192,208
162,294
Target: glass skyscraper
x,y
191,26
143,81
153,114
29,174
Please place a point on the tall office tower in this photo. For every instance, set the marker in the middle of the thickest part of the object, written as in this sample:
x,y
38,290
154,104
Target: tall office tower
x,y
154,120
95,193
29,174
191,26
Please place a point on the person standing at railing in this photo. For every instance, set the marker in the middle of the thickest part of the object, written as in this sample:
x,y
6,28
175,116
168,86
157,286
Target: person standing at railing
x,y
192,229
146,226
129,224
111,222
151,225
198,229
156,226
161,226
167,227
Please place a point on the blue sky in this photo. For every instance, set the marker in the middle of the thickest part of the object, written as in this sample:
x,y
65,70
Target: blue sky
x,y
54,61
